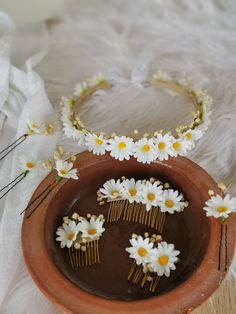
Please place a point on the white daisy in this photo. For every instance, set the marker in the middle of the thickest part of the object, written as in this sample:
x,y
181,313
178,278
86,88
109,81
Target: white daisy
x,y
34,126
163,259
219,207
64,170
96,144
163,146
171,202
67,234
96,79
132,190
151,195
112,190
70,130
80,89
121,147
28,163
92,229
180,147
140,250
145,151
193,135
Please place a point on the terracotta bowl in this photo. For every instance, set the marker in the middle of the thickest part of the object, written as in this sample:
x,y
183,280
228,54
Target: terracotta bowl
x,y
103,288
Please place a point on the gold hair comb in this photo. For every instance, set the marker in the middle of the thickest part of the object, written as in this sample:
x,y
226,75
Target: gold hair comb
x,y
81,236
145,201
153,258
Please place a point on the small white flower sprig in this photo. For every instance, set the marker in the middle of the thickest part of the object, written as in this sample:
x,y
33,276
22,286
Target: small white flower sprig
x,y
221,207
62,162
149,147
153,258
150,192
81,235
33,126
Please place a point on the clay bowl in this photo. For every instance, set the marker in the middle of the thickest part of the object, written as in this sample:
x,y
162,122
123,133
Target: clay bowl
x,y
103,288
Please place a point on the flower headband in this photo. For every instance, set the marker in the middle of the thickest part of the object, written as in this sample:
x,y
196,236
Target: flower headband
x,y
149,147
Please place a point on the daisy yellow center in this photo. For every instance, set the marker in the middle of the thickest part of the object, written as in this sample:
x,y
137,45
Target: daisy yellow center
x,y
30,164
188,136
146,148
169,203
132,192
122,145
70,236
151,197
221,209
176,145
98,141
92,231
63,171
161,145
142,252
114,192
163,260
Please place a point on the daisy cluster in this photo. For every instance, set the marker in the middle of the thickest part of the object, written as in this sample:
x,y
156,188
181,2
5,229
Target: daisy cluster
x,y
220,207
153,254
158,145
77,231
36,126
63,167
150,192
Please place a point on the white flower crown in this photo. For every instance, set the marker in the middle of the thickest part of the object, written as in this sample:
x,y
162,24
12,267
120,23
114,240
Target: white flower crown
x,y
149,147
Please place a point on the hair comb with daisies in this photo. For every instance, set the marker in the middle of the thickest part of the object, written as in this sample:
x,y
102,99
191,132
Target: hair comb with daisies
x,y
34,127
142,201
153,258
146,148
81,237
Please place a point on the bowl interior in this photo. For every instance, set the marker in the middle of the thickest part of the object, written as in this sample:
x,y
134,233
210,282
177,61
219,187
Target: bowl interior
x,y
189,230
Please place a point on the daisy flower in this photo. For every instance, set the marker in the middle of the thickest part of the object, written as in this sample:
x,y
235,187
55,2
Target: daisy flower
x,y
140,250
34,126
180,147
163,259
96,144
171,202
96,79
70,130
80,89
92,229
64,170
151,195
144,150
67,234
112,190
121,147
192,135
219,207
28,163
163,146
132,190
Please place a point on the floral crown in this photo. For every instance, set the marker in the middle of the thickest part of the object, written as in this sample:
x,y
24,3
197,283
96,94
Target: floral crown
x,y
148,147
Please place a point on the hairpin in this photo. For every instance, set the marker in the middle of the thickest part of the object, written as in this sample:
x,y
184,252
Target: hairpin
x,y
143,201
153,258
64,169
221,207
34,126
81,236
148,147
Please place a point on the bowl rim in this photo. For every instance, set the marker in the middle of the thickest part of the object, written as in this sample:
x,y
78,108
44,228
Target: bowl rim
x,y
197,287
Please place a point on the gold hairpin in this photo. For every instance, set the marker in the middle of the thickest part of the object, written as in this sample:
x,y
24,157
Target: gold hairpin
x,y
81,236
145,201
153,258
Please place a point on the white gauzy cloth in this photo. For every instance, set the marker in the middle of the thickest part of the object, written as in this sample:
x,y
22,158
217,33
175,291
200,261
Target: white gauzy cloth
x,y
22,95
